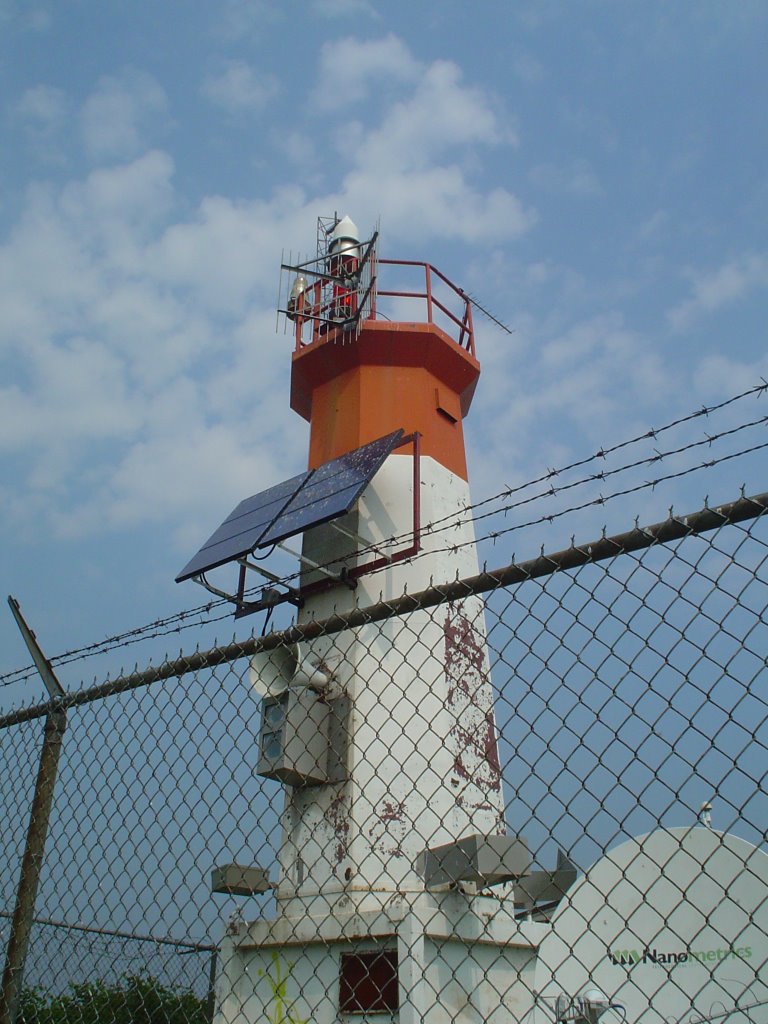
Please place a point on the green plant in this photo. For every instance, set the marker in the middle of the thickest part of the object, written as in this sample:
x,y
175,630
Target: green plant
x,y
135,999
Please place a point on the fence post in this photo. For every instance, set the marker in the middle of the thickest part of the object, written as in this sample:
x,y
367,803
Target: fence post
x,y
210,1007
37,833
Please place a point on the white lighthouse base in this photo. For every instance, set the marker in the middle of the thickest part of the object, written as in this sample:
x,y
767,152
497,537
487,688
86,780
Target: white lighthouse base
x,y
460,958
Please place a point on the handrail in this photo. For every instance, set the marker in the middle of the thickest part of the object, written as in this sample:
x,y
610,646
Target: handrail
x,y
316,305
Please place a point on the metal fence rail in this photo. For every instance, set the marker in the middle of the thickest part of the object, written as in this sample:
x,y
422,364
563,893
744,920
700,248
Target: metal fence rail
x,y
63,954
592,724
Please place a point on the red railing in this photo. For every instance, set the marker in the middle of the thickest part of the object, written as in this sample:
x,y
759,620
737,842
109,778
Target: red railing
x,y
323,308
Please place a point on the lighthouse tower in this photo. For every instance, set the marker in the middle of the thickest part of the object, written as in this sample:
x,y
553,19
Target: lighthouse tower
x,y
383,904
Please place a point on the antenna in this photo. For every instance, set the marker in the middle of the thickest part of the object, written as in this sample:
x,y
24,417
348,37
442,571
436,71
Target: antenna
x,y
485,312
335,290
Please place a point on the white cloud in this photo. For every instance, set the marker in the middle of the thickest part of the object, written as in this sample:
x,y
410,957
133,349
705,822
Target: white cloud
x,y
227,253
118,116
714,289
79,393
441,114
138,193
142,379
438,203
27,16
400,169
718,375
43,105
236,19
299,149
237,88
43,112
350,68
529,70
591,376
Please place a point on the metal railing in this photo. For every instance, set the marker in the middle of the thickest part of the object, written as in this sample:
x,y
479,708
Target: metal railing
x,y
432,299
459,318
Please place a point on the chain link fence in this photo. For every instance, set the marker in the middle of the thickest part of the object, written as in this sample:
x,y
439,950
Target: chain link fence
x,y
535,795
63,955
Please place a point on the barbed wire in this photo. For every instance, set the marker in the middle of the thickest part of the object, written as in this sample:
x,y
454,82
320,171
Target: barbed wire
x,y
571,509
453,521
201,614
601,500
122,640
604,452
604,499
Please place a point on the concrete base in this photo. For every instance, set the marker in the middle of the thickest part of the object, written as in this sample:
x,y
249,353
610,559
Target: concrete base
x,y
460,958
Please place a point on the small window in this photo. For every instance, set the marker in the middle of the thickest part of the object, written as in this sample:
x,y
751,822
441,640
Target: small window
x,y
368,982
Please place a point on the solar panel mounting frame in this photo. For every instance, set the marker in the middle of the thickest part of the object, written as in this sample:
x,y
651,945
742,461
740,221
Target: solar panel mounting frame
x,y
353,469
351,575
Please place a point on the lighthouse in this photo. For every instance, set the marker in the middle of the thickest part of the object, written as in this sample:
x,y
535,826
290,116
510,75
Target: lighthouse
x,y
400,892
393,835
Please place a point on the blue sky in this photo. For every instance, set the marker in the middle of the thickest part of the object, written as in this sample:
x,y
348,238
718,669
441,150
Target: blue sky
x,y
594,172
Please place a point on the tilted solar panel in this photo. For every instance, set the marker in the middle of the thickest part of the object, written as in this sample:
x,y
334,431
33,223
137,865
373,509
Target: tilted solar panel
x,y
242,530
293,506
332,489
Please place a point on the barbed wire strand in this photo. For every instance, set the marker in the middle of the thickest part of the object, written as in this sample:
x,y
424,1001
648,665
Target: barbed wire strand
x,y
452,521
601,500
179,621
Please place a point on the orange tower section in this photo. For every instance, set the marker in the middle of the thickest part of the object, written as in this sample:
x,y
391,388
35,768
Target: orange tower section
x,y
356,386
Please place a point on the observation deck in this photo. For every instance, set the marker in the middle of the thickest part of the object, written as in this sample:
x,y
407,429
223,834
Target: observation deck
x,y
407,361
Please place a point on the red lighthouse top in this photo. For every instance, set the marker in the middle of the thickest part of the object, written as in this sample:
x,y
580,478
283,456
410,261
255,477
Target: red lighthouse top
x,y
359,372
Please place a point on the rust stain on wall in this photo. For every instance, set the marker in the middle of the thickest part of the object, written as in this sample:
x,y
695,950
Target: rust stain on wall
x,y
469,701
337,816
387,832
392,811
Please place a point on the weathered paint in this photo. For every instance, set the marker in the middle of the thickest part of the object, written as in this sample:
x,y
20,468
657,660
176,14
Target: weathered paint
x,y
472,738
422,757
470,700
337,815
423,761
445,973
388,830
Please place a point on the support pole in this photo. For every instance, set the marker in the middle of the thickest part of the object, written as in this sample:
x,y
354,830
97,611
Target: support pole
x,y
37,831
210,1008
32,862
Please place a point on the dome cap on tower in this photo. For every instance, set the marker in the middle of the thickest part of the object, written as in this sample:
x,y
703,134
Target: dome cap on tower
x,y
345,231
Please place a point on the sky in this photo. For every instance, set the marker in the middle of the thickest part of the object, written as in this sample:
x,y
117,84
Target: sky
x,y
594,173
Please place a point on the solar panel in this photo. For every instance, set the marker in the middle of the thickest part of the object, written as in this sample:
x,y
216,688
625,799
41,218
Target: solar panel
x,y
293,506
243,528
332,489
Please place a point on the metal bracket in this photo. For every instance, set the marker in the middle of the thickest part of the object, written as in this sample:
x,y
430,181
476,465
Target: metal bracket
x,y
362,542
43,666
337,577
240,880
203,582
384,561
270,596
347,577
